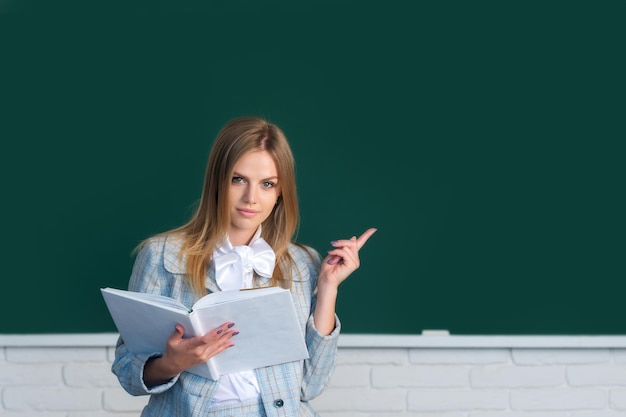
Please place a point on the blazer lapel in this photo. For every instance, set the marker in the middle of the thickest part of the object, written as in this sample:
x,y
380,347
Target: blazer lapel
x,y
172,261
176,265
210,282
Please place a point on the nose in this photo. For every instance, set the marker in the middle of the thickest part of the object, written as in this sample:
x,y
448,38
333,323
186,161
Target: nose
x,y
250,195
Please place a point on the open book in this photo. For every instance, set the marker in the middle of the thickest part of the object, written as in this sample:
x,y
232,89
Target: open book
x,y
269,332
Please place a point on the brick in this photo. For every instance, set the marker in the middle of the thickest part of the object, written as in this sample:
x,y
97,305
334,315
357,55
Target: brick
x,y
420,376
117,400
392,414
559,356
617,399
396,414
349,376
372,356
559,399
99,414
30,374
110,354
34,414
457,400
521,414
597,375
457,414
51,399
358,399
459,356
619,355
517,376
89,375
598,414
55,354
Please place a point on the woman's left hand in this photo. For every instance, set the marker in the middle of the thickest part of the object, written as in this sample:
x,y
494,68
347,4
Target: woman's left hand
x,y
336,267
342,260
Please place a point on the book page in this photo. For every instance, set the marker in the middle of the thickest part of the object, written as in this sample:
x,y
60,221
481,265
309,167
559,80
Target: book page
x,y
269,331
235,295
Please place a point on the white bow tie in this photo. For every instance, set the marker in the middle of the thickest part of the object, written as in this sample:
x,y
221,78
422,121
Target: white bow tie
x,y
233,269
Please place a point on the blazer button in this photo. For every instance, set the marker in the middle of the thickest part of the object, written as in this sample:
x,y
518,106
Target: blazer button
x,y
279,403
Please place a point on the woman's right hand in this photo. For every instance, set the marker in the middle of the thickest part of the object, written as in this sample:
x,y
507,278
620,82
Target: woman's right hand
x,y
183,353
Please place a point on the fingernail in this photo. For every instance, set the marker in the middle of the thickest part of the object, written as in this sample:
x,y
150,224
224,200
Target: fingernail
x,y
231,325
333,242
235,333
219,331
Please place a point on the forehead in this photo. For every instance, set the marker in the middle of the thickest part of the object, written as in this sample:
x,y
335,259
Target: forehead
x,y
256,164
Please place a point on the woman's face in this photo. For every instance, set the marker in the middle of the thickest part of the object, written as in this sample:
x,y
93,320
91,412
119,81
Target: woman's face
x,y
252,195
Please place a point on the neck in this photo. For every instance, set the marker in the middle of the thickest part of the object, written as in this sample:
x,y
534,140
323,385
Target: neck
x,y
240,238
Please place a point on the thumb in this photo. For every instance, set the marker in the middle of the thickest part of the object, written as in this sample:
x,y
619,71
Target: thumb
x,y
178,333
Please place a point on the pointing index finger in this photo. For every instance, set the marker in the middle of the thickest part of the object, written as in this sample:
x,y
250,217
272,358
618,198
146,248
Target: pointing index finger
x,y
364,237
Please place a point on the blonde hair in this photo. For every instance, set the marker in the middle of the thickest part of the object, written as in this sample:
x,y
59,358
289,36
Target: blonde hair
x,y
209,226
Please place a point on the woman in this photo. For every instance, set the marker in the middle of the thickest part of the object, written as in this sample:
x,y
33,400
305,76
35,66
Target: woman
x,y
248,207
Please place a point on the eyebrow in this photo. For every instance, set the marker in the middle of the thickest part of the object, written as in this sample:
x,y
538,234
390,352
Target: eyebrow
x,y
273,177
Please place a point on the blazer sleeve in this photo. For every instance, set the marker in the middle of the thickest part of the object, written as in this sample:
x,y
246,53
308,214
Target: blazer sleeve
x,y
148,276
319,368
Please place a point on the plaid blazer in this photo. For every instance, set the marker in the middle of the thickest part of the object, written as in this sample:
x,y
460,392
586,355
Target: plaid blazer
x,y
285,388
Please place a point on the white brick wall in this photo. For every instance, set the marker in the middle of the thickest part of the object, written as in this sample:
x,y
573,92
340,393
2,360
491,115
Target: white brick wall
x,y
413,381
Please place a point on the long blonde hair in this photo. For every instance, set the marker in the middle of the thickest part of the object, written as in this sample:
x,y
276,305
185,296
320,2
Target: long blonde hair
x,y
209,225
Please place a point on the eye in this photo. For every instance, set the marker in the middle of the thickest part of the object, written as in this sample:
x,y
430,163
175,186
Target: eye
x,y
268,184
238,180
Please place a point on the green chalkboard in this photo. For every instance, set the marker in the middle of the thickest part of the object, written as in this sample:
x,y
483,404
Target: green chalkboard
x,y
485,141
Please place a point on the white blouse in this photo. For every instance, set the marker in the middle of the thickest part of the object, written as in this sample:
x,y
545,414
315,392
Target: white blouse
x,y
234,270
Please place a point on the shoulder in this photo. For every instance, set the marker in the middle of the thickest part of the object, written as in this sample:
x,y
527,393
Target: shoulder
x,y
158,269
306,262
304,255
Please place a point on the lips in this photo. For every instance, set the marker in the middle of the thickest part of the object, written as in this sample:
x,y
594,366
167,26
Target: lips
x,y
247,212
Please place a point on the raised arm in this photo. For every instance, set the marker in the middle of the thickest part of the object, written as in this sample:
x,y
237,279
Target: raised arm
x,y
336,267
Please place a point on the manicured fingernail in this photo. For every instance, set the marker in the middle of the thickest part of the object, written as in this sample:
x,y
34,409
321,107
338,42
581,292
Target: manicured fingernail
x,y
231,325
235,333
333,242
219,331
